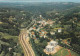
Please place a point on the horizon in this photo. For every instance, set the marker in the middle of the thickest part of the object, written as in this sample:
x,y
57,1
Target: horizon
x,y
34,2
75,1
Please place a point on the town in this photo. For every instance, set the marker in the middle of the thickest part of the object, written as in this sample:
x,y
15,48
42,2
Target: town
x,y
39,28
45,31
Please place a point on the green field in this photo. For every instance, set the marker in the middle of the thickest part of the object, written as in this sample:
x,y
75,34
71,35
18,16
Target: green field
x,y
7,36
65,52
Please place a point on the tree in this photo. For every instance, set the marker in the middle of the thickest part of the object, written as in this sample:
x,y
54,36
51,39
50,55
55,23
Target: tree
x,y
2,53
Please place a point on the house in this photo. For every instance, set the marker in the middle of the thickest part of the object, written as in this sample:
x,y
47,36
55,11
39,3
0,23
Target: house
x,y
52,47
59,30
50,22
45,36
49,48
43,22
34,28
43,33
52,33
40,16
32,33
53,43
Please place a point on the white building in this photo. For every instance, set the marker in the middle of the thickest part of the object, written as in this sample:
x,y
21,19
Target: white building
x,y
52,33
59,30
40,16
49,48
53,43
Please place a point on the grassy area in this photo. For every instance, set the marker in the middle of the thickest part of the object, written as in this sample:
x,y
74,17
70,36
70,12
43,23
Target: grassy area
x,y
65,52
7,36
1,22
57,25
12,42
78,24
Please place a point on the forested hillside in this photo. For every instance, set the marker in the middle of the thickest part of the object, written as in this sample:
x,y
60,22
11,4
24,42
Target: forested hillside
x,y
69,19
15,16
10,25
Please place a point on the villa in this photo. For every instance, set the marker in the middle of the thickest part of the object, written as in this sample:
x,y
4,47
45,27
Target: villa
x,y
52,47
53,43
49,48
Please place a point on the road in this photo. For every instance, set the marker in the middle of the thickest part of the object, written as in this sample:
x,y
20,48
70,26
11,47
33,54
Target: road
x,y
28,51
24,41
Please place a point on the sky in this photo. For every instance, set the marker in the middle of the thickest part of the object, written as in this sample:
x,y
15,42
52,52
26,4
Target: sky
x,y
39,0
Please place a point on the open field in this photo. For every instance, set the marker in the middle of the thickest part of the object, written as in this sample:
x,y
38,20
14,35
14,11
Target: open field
x,y
7,36
64,52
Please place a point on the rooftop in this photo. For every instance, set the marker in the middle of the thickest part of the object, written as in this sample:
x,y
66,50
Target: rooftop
x,y
49,46
53,42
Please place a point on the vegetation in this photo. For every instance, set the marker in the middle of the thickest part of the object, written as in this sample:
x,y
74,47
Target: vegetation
x,y
10,25
9,45
15,16
65,52
39,47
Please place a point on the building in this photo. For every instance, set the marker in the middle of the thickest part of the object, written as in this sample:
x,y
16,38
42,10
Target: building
x,y
49,48
59,30
43,33
52,33
53,43
52,47
34,28
45,36
40,16
50,22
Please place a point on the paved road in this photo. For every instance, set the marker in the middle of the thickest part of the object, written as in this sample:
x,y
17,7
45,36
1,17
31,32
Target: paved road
x,y
25,41
25,45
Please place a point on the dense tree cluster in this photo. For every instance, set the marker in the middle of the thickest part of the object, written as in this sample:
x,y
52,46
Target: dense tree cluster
x,y
14,16
10,24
